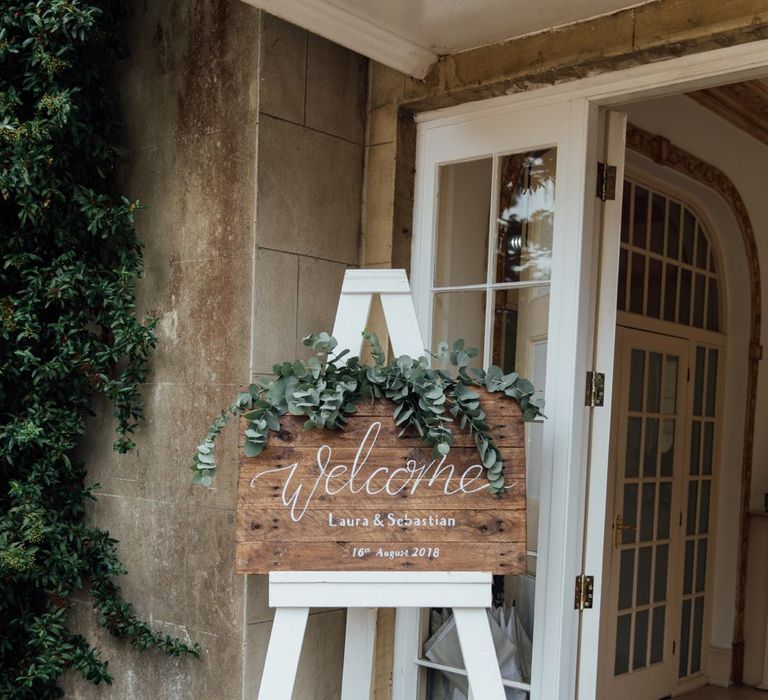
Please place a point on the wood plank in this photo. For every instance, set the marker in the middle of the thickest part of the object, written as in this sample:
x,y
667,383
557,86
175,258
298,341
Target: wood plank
x,y
380,457
263,557
259,524
270,495
505,433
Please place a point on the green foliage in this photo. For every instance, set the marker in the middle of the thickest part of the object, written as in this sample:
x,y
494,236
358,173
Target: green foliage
x,y
428,401
69,261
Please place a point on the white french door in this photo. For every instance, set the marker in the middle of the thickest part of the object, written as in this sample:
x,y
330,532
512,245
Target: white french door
x,y
505,255
648,461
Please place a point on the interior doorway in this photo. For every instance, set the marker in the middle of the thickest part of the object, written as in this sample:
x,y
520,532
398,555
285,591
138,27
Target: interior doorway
x,y
664,446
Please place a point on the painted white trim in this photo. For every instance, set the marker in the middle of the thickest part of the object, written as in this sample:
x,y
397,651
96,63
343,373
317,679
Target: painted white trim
x,y
647,81
353,32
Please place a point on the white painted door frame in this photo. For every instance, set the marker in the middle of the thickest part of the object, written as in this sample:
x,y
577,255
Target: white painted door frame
x,y
653,80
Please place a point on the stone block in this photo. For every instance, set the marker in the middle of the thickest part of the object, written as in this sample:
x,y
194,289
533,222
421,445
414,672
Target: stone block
x,y
204,320
319,288
378,204
660,23
283,69
382,125
336,86
322,657
309,192
275,309
385,86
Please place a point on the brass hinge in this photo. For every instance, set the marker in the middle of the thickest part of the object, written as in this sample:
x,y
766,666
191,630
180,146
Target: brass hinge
x,y
585,588
606,182
595,391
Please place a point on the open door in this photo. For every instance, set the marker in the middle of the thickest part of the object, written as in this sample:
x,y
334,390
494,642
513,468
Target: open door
x,y
510,237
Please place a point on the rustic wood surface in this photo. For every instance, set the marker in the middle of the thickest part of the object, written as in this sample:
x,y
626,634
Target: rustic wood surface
x,y
383,509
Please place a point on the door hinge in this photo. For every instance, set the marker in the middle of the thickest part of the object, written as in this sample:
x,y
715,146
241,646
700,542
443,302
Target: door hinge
x,y
606,182
595,389
585,588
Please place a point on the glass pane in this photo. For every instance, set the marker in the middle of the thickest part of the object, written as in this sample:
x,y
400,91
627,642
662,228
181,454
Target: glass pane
x,y
462,222
709,437
460,315
693,490
711,382
647,512
665,510
651,446
526,213
640,655
701,565
667,446
658,214
698,628
629,514
657,636
626,578
636,380
684,311
698,385
623,630
634,432
621,300
652,400
626,203
685,638
643,592
689,229
698,300
702,249
660,575
673,231
706,486
713,306
669,385
695,446
688,568
640,223
654,289
637,283
520,320
670,293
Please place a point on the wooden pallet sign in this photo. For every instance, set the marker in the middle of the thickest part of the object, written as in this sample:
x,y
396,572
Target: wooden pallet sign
x,y
364,499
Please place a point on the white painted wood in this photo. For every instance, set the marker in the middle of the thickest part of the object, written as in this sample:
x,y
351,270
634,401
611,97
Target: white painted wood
x,y
479,653
359,648
573,127
605,324
407,682
354,308
379,588
353,31
283,652
462,672
657,79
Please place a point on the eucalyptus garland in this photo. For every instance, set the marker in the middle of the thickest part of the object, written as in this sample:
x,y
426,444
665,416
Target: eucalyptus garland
x,y
427,400
69,261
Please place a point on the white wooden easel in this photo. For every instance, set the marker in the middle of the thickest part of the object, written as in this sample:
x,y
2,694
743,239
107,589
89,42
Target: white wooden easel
x,y
293,593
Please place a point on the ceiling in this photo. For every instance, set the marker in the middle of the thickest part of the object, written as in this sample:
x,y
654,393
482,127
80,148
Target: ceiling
x,y
447,26
410,35
743,104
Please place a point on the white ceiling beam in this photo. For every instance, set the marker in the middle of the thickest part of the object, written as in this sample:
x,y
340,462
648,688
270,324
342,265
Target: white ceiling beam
x,y
353,32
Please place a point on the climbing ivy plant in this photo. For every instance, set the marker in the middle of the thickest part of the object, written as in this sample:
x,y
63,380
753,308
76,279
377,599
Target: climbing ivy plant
x,y
429,401
69,260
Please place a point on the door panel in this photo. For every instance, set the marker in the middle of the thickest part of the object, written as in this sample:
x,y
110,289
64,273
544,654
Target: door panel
x,y
647,459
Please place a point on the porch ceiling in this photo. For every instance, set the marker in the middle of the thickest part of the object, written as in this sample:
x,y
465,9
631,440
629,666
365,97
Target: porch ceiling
x,y
409,35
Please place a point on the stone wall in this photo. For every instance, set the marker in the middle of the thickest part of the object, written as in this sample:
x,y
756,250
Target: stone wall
x,y
237,269
310,163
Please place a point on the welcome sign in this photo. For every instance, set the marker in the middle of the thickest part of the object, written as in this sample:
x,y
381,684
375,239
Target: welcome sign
x,y
364,498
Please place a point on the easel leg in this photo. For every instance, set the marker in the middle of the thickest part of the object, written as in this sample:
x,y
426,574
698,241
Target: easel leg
x,y
479,653
359,647
283,653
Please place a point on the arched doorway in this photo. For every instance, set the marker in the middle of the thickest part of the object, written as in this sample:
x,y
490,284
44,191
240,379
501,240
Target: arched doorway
x,y
667,398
